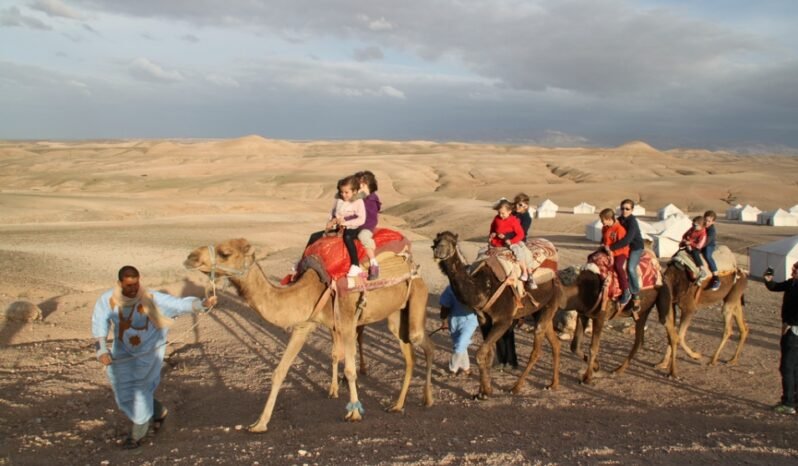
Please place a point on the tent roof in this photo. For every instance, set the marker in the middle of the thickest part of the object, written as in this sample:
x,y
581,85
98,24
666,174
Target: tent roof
x,y
584,204
784,246
548,204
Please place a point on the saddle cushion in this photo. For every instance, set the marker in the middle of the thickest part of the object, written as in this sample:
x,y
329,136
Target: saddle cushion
x,y
648,271
724,258
504,264
329,258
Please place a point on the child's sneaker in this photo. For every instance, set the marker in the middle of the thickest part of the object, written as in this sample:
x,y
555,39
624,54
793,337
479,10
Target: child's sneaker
x,y
524,277
784,409
374,271
354,271
715,284
531,284
625,298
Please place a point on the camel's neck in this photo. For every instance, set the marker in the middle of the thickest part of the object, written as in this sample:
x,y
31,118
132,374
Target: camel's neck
x,y
466,287
283,307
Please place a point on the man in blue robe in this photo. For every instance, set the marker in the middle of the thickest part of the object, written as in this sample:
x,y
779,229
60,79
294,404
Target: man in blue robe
x,y
141,319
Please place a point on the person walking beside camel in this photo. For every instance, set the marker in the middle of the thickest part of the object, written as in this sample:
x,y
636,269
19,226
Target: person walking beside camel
x,y
461,321
789,339
141,319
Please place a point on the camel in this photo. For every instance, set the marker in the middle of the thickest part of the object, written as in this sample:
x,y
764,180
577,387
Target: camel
x,y
478,289
304,304
591,303
689,300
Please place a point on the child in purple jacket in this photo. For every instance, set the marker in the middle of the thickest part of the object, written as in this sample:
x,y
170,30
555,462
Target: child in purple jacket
x,y
368,188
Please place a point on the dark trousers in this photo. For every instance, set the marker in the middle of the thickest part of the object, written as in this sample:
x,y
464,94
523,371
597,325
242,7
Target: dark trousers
x,y
314,237
505,346
350,235
708,251
696,255
620,269
789,368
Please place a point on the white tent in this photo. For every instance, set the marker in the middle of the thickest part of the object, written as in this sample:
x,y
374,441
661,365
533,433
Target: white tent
x,y
593,231
749,213
584,208
646,230
666,242
668,211
733,213
780,255
777,218
794,209
547,209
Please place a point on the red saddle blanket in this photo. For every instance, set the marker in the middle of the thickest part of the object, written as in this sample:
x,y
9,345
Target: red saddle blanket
x,y
331,253
648,271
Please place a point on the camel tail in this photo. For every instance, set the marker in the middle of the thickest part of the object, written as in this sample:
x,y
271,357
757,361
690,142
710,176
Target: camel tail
x,y
742,299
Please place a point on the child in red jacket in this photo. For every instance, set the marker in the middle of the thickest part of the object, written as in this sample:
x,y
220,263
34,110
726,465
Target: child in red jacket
x,y
505,230
693,241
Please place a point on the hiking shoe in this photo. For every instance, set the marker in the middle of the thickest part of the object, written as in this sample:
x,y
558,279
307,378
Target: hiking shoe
x,y
715,284
784,409
524,277
374,272
130,444
625,298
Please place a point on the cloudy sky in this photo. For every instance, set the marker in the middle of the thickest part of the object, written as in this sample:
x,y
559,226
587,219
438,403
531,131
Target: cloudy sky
x,y
710,73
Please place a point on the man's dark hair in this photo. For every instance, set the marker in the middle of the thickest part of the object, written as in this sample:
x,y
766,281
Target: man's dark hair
x,y
128,271
628,201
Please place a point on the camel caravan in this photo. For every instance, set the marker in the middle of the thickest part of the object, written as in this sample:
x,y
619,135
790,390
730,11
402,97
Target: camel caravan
x,y
513,278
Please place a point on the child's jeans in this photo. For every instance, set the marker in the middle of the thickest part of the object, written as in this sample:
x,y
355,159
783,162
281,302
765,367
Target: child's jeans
x,y
620,269
366,238
708,251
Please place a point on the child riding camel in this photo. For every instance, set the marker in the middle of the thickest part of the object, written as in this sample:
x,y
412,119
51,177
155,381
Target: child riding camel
x,y
368,189
693,241
505,230
611,232
349,213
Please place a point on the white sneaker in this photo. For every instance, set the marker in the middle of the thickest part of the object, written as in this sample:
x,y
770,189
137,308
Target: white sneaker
x,y
354,271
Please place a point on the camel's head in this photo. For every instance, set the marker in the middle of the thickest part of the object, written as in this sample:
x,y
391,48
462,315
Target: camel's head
x,y
228,258
444,245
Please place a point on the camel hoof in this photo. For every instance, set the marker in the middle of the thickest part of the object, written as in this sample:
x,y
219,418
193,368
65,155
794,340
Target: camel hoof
x,y
353,416
661,366
732,362
552,387
515,390
480,397
332,395
695,356
396,409
586,381
257,429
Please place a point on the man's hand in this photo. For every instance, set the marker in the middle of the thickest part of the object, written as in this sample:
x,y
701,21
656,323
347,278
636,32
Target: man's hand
x,y
784,329
445,325
105,359
209,302
768,278
500,235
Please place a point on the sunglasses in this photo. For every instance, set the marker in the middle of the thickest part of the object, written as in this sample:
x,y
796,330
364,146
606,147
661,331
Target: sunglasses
x,y
626,208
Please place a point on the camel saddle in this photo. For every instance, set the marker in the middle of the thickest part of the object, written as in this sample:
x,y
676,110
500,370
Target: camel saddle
x,y
724,259
648,271
329,258
504,264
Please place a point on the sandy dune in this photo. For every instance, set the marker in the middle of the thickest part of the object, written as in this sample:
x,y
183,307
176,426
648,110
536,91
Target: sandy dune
x,y
71,213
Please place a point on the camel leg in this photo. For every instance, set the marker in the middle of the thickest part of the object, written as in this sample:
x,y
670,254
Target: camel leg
x,y
640,329
684,323
417,333
295,343
485,356
598,326
554,341
731,311
336,358
394,325
354,410
360,329
576,343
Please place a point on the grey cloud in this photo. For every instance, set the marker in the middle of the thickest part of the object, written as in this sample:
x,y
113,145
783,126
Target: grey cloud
x,y
368,54
144,69
12,17
56,8
190,38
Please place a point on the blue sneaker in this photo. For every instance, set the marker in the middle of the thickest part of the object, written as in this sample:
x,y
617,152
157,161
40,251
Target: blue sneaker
x,y
625,298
